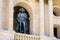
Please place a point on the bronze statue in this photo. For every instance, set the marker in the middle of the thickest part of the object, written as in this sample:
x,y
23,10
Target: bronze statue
x,y
22,26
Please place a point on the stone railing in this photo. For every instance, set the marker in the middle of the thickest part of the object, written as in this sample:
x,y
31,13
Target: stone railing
x,y
6,35
19,36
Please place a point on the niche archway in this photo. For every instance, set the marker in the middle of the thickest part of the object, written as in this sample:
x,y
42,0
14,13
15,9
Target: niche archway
x,y
29,10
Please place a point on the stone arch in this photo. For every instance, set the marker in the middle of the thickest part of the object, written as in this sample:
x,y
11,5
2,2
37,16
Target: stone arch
x,y
56,10
29,9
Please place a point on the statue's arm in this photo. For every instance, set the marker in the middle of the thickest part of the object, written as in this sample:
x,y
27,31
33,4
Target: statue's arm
x,y
17,27
25,15
18,19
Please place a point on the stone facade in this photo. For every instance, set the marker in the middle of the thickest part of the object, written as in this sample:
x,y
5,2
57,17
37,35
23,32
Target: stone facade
x,y
42,19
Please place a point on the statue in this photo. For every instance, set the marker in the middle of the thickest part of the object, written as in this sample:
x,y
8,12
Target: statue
x,y
22,26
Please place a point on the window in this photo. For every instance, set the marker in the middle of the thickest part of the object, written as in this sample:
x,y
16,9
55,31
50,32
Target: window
x,y
55,32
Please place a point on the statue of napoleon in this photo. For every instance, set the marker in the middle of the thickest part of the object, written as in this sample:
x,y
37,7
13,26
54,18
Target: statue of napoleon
x,y
22,26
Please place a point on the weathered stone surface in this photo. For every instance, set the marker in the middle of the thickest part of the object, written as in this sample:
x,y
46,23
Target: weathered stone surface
x,y
5,35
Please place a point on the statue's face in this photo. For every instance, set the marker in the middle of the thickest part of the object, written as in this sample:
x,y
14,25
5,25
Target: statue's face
x,y
21,10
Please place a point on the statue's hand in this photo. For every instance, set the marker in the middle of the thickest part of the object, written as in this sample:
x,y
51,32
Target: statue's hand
x,y
17,27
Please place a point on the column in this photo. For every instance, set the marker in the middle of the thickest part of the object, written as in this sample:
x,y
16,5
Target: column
x,y
50,14
1,14
4,15
10,15
41,3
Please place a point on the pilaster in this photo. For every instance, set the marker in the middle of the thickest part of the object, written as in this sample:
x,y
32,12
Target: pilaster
x,y
50,13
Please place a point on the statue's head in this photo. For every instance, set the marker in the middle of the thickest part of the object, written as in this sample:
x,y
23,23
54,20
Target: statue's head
x,y
21,10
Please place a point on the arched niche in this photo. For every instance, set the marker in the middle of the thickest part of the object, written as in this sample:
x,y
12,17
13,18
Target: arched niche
x,y
29,9
16,22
